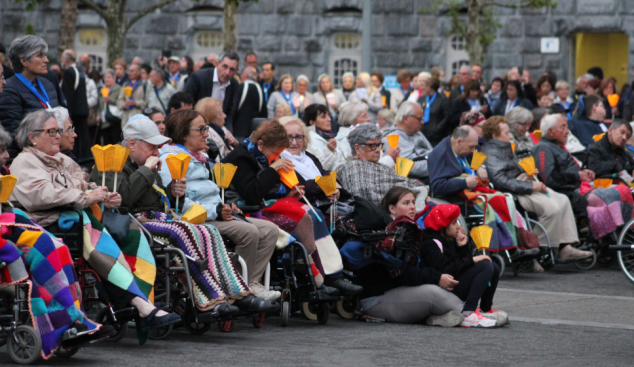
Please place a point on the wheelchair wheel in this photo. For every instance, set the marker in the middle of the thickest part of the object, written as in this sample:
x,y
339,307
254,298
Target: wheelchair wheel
x,y
105,317
626,258
498,259
62,352
526,266
286,313
309,311
24,345
589,263
346,308
161,333
193,327
258,320
225,326
323,313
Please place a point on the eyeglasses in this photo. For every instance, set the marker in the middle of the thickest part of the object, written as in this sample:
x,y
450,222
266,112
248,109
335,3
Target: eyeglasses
x,y
297,138
51,132
70,130
416,117
202,129
372,146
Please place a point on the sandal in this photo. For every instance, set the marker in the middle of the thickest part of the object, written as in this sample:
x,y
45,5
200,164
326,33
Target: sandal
x,y
255,304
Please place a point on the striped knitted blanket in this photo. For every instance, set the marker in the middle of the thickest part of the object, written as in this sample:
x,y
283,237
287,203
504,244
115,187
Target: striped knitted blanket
x,y
609,209
55,296
220,281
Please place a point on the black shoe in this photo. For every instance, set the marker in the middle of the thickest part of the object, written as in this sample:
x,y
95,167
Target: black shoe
x,y
226,309
255,304
330,291
152,321
346,287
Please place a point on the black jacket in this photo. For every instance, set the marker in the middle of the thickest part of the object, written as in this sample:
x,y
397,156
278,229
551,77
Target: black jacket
x,y
439,124
375,279
250,181
17,100
499,107
557,169
253,106
452,259
388,95
200,85
584,129
603,160
269,90
461,106
52,77
530,93
76,98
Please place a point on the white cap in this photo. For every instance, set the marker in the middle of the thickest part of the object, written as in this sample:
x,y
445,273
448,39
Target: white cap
x,y
140,127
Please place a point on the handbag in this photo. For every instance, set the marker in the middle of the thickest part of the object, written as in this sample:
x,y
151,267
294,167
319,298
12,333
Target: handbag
x,y
117,225
112,118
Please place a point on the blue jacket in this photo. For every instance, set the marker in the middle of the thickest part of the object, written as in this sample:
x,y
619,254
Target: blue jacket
x,y
584,129
443,170
200,189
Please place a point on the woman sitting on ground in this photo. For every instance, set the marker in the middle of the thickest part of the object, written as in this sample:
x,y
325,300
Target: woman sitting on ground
x,y
364,176
445,249
46,182
553,209
258,182
254,239
322,142
416,293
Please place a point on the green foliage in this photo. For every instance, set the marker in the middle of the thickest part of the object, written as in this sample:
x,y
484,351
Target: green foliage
x,y
29,29
30,4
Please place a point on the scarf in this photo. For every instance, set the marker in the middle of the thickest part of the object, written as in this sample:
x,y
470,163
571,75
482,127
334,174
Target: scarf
x,y
256,153
177,148
304,165
325,134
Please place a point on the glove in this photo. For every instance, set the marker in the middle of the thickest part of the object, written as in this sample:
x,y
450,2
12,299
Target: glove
x,y
212,150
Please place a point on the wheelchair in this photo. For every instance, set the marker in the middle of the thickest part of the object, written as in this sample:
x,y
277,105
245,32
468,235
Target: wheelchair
x,y
625,250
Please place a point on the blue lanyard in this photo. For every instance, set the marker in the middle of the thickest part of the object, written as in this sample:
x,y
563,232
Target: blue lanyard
x,y
175,77
568,114
463,163
404,91
44,100
474,104
266,91
513,105
461,88
288,100
428,103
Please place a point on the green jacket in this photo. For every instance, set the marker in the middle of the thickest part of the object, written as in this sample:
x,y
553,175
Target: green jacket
x,y
134,184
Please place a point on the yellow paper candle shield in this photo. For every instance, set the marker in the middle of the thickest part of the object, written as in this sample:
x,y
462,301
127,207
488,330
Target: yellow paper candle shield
x,y
105,92
119,158
513,147
392,140
528,164
103,157
481,236
537,134
195,214
403,166
477,160
224,174
7,183
178,165
328,183
127,91
603,183
613,100
597,137
288,178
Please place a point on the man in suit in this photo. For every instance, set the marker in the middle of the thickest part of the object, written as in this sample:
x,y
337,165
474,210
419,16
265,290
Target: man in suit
x,y
247,105
74,89
218,82
268,81
464,77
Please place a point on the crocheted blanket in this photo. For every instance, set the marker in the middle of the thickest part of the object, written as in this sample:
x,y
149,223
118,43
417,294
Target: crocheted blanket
x,y
217,283
55,296
609,209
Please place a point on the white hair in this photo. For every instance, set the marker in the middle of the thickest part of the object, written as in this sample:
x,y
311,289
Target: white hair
x,y
60,114
423,75
349,111
407,108
550,122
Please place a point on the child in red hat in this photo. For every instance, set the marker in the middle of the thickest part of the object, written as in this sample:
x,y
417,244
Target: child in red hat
x,y
445,249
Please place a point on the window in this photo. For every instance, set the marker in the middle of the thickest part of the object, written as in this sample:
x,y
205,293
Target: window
x,y
94,43
345,56
207,43
457,56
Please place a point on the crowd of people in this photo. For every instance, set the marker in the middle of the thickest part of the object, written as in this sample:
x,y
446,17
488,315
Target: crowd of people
x,y
217,112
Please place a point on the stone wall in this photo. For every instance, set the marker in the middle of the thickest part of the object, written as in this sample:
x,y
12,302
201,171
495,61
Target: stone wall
x,y
296,35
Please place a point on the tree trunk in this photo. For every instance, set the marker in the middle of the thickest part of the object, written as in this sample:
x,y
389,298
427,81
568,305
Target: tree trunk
x,y
474,47
117,24
67,26
230,18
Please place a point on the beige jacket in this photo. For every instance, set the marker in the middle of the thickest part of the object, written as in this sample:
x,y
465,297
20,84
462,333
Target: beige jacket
x,y
139,95
46,182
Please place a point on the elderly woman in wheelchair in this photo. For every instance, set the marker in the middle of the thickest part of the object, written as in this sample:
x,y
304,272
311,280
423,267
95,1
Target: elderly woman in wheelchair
x,y
218,286
48,180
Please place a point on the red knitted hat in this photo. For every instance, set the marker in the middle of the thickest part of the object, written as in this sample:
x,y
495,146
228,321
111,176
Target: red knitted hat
x,y
441,216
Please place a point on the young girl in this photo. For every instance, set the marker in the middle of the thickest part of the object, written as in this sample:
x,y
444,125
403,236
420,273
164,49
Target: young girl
x,y
444,249
416,294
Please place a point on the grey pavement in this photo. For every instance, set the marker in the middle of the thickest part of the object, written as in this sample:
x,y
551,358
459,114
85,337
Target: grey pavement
x,y
564,317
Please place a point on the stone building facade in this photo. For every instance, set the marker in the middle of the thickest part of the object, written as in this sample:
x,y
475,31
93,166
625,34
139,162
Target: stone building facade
x,y
324,36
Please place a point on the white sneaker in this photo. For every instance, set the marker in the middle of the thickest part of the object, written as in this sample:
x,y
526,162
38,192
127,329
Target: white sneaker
x,y
264,293
500,317
477,320
450,319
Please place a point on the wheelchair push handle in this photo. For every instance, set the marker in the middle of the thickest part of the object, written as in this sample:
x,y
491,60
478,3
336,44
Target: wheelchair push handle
x,y
201,264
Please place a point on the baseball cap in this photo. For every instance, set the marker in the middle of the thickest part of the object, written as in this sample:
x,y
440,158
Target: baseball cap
x,y
174,58
140,127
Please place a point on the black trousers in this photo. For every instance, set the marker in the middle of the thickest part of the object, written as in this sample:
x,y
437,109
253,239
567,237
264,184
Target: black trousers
x,y
83,141
478,283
